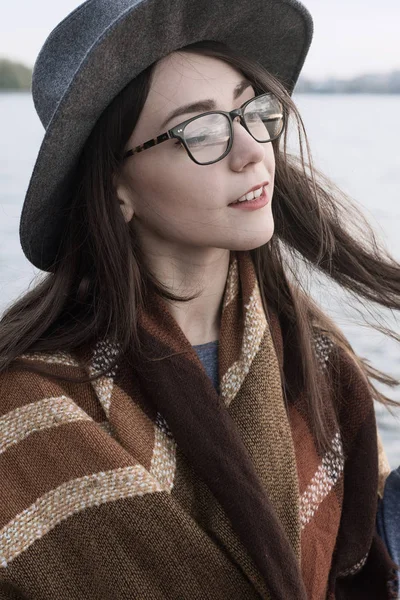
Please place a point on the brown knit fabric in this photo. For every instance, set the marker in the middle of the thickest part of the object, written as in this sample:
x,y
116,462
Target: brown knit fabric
x,y
148,484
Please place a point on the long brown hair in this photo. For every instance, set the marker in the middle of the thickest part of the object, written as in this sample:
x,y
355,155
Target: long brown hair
x,y
99,280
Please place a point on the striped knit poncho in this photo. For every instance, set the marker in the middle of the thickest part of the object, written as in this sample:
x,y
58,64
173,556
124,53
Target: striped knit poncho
x,y
146,484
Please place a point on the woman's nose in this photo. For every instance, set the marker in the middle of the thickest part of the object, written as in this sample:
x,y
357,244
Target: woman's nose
x,y
251,144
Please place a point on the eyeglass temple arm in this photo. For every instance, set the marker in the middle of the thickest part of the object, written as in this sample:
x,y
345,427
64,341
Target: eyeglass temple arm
x,y
154,142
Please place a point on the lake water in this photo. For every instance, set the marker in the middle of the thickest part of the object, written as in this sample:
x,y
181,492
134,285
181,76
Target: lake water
x,y
347,144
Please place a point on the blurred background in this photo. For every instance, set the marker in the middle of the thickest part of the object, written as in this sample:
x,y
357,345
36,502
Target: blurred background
x,y
350,84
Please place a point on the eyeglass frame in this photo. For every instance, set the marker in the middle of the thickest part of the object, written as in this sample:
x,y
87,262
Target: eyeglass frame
x,y
174,132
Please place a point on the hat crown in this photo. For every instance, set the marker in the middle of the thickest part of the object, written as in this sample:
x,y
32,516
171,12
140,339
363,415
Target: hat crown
x,y
66,48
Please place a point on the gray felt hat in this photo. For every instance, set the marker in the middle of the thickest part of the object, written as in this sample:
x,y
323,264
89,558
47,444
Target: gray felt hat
x,y
100,47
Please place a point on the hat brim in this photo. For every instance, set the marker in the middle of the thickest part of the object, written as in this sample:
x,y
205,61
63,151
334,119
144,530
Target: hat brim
x,y
275,33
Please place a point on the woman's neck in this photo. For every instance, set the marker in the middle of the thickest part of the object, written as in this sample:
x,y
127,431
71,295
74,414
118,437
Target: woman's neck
x,y
188,273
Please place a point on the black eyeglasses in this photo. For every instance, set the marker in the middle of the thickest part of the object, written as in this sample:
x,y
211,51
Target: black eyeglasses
x,y
208,137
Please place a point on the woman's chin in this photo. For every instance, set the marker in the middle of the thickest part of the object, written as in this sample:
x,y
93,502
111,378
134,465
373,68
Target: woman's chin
x,y
246,240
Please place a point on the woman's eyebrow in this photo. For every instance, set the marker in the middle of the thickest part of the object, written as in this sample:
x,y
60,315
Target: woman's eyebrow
x,y
204,105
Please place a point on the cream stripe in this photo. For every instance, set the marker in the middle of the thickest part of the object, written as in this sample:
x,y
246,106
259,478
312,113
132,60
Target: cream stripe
x,y
232,284
355,568
323,346
254,329
44,414
70,498
103,388
103,355
58,358
323,481
163,462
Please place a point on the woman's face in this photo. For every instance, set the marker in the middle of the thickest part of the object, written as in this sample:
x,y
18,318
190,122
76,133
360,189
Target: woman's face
x,y
180,206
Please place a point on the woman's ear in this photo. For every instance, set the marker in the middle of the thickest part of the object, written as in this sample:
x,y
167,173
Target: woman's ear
x,y
125,201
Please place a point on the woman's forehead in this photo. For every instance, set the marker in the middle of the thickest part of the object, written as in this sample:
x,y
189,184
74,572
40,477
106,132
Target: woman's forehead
x,y
181,78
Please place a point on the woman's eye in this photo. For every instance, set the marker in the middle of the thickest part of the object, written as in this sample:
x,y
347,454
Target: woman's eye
x,y
179,144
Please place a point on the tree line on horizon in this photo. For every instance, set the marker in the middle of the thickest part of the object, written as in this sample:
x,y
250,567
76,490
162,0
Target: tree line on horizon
x,y
17,76
14,75
374,83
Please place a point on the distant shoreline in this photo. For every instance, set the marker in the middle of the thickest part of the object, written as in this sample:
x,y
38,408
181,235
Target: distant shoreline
x,y
17,77
4,92
380,83
344,93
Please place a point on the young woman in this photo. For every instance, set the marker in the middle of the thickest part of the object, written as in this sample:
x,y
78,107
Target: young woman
x,y
178,418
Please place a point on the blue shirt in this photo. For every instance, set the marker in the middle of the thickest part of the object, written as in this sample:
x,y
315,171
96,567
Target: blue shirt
x,y
388,516
208,354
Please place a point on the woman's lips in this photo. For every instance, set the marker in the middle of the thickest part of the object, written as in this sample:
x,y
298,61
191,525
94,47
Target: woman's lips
x,y
252,204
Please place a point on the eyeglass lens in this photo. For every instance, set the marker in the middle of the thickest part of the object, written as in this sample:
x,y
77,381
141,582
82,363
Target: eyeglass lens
x,y
208,136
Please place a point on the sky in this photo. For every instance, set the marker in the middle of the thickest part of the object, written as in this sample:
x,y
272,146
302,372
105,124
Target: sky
x,y
351,36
